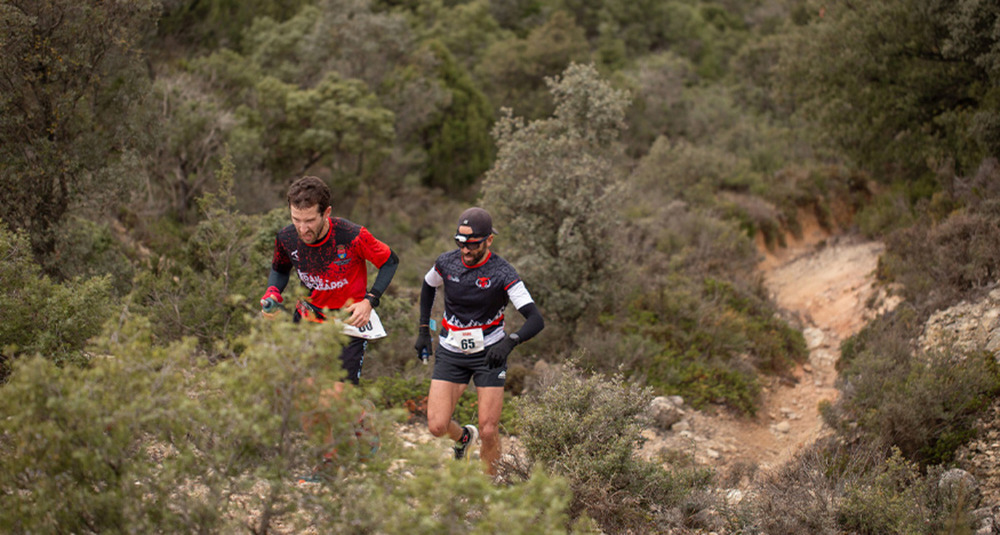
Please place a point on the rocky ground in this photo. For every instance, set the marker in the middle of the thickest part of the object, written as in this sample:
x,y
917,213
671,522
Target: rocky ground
x,y
969,326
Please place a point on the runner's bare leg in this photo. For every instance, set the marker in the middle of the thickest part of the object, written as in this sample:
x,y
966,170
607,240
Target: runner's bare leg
x,y
490,405
441,401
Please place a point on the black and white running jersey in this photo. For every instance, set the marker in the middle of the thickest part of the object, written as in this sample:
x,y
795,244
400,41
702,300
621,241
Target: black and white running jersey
x,y
475,297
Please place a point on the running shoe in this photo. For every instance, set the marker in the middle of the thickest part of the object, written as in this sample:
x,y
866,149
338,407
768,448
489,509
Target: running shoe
x,y
469,437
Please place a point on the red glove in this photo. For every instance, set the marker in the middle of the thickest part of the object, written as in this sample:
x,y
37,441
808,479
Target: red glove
x,y
271,302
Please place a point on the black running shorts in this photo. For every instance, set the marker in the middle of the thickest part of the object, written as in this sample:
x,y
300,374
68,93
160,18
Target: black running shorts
x,y
351,357
459,368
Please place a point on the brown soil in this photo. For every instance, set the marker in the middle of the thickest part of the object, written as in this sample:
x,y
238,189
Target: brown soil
x,y
823,284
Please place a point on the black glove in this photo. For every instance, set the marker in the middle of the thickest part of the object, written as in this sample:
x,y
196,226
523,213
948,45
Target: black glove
x,y
496,355
423,345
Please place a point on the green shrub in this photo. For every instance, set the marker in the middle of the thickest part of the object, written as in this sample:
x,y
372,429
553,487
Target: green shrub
x,y
939,265
702,383
41,316
86,249
924,404
74,458
586,429
714,338
888,501
212,289
157,439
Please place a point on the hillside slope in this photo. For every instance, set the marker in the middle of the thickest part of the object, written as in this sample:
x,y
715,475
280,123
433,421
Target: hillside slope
x,y
823,283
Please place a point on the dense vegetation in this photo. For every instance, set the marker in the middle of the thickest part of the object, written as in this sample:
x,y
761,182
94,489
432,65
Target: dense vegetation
x,y
631,153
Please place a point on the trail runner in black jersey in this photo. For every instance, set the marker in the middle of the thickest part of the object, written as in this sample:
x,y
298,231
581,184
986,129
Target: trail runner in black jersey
x,y
478,285
329,255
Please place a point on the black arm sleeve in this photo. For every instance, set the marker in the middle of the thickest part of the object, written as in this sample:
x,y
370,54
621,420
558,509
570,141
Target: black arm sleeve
x,y
385,274
427,293
533,322
278,280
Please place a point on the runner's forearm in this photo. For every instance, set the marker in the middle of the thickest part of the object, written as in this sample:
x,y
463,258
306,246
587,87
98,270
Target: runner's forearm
x,y
278,280
384,276
533,322
427,293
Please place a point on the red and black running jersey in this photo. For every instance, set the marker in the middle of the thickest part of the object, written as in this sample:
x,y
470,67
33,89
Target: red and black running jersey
x,y
475,297
334,269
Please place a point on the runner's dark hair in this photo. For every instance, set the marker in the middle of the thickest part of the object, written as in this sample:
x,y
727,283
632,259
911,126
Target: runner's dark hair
x,y
309,191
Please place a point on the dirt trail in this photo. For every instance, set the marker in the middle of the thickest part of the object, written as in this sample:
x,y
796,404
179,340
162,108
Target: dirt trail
x,y
823,282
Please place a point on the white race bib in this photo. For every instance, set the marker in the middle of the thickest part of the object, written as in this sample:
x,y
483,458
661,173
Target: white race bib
x,y
466,340
369,331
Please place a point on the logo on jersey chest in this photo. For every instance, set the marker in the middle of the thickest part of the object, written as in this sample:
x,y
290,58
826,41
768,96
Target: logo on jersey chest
x,y
341,254
453,278
483,282
295,255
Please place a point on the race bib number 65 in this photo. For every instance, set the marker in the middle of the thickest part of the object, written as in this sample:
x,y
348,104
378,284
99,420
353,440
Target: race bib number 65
x,y
467,340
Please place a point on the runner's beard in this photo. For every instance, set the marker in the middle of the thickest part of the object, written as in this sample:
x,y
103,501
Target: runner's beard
x,y
473,258
311,236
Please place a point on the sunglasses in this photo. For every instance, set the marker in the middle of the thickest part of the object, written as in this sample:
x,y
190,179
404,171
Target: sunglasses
x,y
462,240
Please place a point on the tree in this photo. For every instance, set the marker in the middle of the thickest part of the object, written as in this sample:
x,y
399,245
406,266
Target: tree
x,y
457,139
195,126
338,123
343,36
213,24
72,123
514,71
900,85
205,294
553,187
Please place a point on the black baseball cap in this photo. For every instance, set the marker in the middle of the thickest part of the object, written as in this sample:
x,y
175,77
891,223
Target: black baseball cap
x,y
479,220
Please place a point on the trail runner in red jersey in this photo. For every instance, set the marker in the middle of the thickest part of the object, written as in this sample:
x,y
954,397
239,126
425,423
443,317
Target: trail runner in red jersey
x,y
329,254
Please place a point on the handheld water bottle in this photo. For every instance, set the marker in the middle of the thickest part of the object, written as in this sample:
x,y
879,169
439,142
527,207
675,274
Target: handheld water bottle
x,y
425,354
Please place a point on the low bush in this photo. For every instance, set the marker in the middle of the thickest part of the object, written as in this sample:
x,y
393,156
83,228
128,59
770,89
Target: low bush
x,y
833,487
704,382
85,249
586,429
802,497
898,496
714,339
42,316
154,438
923,404
938,265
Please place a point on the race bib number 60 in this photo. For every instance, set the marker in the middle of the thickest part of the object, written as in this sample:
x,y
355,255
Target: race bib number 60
x,y
370,331
467,340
